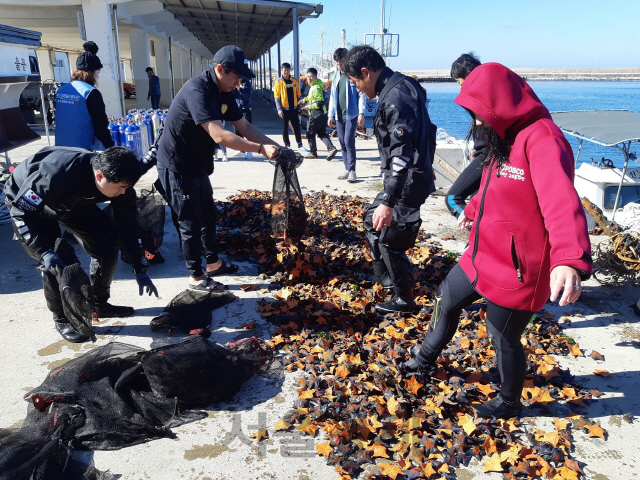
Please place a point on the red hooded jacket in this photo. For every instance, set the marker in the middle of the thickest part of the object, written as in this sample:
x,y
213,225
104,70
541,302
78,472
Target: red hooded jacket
x,y
527,219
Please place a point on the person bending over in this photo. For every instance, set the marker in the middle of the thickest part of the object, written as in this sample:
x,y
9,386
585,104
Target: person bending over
x,y
61,186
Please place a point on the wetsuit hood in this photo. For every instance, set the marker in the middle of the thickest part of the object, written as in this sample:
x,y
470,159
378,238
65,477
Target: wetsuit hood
x,y
502,98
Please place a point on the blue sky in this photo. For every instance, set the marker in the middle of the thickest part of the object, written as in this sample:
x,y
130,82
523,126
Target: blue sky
x,y
533,33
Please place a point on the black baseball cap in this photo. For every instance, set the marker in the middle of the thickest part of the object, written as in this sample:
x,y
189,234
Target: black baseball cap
x,y
234,58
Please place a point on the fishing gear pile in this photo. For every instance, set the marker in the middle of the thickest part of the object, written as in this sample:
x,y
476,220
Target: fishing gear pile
x,y
121,395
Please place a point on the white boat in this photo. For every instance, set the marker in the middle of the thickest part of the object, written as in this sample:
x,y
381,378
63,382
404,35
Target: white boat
x,y
616,191
17,69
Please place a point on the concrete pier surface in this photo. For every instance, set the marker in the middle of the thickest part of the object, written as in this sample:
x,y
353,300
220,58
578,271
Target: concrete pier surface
x,y
202,450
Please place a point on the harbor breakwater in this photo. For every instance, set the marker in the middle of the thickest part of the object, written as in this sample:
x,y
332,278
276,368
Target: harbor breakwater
x,y
531,74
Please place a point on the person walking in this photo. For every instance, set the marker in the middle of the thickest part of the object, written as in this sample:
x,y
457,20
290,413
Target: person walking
x,y
528,238
192,131
81,117
154,89
61,186
317,123
345,113
406,142
286,93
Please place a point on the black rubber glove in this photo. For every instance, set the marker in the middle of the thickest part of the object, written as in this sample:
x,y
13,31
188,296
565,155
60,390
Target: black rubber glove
x,y
145,282
52,262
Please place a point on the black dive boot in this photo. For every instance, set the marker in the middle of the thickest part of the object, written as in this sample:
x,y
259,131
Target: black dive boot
x,y
417,365
401,272
66,330
498,407
402,301
106,310
381,274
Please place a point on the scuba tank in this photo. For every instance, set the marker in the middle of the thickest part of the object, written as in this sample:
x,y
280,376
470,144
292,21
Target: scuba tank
x,y
134,139
123,134
144,136
155,121
114,131
150,130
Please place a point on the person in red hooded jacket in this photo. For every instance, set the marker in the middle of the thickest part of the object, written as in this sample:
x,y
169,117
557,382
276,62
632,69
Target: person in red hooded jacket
x,y
528,236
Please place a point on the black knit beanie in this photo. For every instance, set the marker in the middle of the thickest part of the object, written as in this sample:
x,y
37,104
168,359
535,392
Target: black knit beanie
x,y
88,60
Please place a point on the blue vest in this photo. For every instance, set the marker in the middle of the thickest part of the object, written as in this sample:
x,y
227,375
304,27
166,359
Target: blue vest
x,y
74,125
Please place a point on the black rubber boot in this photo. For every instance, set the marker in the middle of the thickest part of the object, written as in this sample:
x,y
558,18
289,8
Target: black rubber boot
x,y
401,273
381,274
498,408
66,330
106,310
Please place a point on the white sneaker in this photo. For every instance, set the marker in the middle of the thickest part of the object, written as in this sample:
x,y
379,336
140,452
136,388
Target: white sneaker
x,y
344,176
248,155
224,157
303,150
352,177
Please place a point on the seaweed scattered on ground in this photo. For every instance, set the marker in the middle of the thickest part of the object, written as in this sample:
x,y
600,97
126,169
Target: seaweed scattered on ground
x,y
375,420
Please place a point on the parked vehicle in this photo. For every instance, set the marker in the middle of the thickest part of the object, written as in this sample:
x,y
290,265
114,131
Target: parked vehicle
x,y
129,89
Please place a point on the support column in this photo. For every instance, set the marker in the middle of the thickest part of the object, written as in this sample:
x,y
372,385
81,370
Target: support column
x,y
162,70
99,25
176,68
296,46
270,74
185,56
279,59
140,60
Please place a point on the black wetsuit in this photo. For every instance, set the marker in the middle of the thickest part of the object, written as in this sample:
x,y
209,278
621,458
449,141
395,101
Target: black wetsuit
x,y
406,142
56,186
467,184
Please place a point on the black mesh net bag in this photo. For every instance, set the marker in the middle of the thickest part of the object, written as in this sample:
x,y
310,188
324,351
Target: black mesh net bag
x,y
108,392
75,290
190,311
288,214
200,372
151,212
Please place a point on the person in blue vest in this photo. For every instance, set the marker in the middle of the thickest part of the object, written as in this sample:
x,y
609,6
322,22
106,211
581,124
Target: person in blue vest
x,y
81,117
154,88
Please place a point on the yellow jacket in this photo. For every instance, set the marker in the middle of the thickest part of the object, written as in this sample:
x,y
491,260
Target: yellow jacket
x,y
280,93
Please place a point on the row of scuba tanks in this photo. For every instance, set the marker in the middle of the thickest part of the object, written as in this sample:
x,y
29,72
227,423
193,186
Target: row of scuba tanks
x,y
138,130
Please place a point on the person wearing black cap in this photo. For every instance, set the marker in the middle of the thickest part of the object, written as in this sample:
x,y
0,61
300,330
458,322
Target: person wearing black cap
x,y
192,131
81,118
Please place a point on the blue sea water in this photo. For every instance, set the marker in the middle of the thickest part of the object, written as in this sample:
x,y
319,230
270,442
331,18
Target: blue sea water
x,y
557,96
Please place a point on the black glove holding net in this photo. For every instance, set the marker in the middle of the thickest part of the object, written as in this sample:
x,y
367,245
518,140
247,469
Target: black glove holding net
x,y
288,214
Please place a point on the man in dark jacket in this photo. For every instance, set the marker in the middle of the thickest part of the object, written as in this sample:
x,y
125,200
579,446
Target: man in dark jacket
x,y
154,88
61,186
406,142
